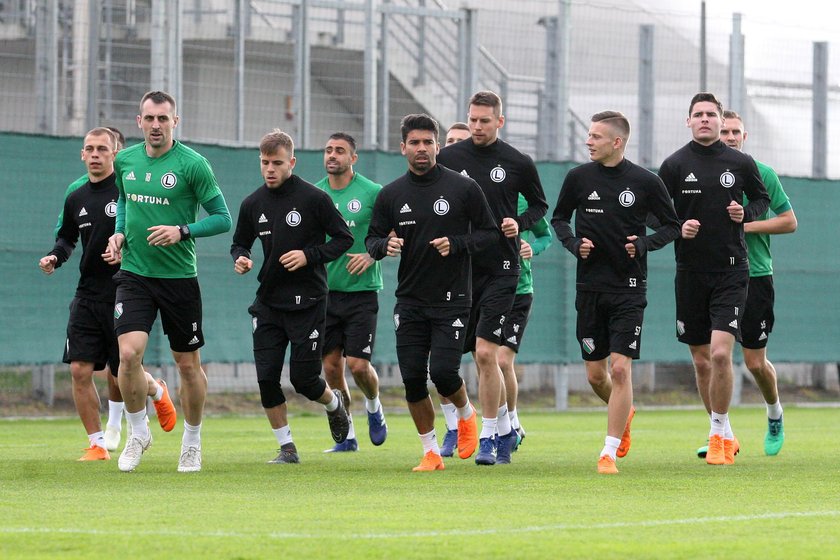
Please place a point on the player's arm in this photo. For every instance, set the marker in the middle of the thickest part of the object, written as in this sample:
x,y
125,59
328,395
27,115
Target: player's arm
x,y
533,192
340,236
542,236
784,220
379,242
756,193
65,241
243,240
561,219
484,231
668,226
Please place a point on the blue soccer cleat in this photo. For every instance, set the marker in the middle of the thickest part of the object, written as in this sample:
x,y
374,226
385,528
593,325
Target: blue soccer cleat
x,y
377,428
450,443
346,445
506,445
486,452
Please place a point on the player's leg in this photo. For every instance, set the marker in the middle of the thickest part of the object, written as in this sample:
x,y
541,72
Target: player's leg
x,y
113,428
513,332
86,399
450,416
333,363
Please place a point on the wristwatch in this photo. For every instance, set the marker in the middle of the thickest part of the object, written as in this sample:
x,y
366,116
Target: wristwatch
x,y
185,232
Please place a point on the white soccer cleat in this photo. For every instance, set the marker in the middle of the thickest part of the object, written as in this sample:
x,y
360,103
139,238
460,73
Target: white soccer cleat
x,y
190,460
112,438
133,451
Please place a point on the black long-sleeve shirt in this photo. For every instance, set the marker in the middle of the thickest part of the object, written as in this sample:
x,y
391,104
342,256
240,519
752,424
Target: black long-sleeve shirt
x,y
610,204
420,208
703,180
502,172
294,216
90,213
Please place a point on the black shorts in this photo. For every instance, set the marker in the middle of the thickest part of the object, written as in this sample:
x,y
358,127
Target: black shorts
x,y
492,300
178,299
708,301
437,330
608,323
758,320
274,329
90,335
351,323
513,329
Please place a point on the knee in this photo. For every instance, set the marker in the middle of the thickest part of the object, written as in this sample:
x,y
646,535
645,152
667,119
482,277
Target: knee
x,y
620,373
721,359
415,389
306,379
81,372
754,363
271,394
505,361
359,367
596,376
130,355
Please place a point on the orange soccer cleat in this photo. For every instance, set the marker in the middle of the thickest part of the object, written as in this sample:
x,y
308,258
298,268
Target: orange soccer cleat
x,y
431,462
624,446
165,409
606,465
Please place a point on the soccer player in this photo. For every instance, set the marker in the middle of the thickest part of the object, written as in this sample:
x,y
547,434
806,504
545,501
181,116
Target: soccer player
x,y
457,132
291,218
708,181
89,213
434,219
162,182
611,199
758,319
503,173
113,428
354,280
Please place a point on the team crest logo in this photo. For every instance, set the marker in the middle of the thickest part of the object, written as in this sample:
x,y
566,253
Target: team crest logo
x,y
497,174
111,209
727,179
627,198
588,345
354,205
441,207
293,218
169,180
680,328
396,320
118,310
253,324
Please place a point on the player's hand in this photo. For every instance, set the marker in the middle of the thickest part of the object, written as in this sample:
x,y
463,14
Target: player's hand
x,y
525,250
47,264
442,245
358,262
113,253
630,247
164,236
395,246
243,265
585,248
736,212
690,229
510,227
293,260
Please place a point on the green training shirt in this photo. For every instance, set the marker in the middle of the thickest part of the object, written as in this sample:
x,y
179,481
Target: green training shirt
x,y
758,244
70,188
355,203
541,240
166,190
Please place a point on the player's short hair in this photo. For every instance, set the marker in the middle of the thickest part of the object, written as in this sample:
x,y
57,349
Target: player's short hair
x,y
705,96
616,120
732,115
488,99
420,121
275,140
119,136
459,126
158,98
104,131
347,138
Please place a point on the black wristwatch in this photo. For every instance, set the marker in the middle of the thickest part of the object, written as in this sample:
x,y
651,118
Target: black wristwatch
x,y
185,232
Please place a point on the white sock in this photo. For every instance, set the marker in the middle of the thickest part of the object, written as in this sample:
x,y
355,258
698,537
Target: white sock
x,y
158,392
465,411
718,424
610,446
192,435
115,411
503,421
774,411
450,414
351,434
333,404
372,405
138,423
727,430
514,419
283,435
97,439
429,442
488,427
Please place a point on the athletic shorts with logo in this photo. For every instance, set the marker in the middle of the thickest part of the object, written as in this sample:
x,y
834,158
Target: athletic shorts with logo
x,y
609,322
759,318
513,329
351,323
275,329
90,335
492,301
139,299
708,301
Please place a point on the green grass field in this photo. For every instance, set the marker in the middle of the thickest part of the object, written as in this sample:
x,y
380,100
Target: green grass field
x,y
550,503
